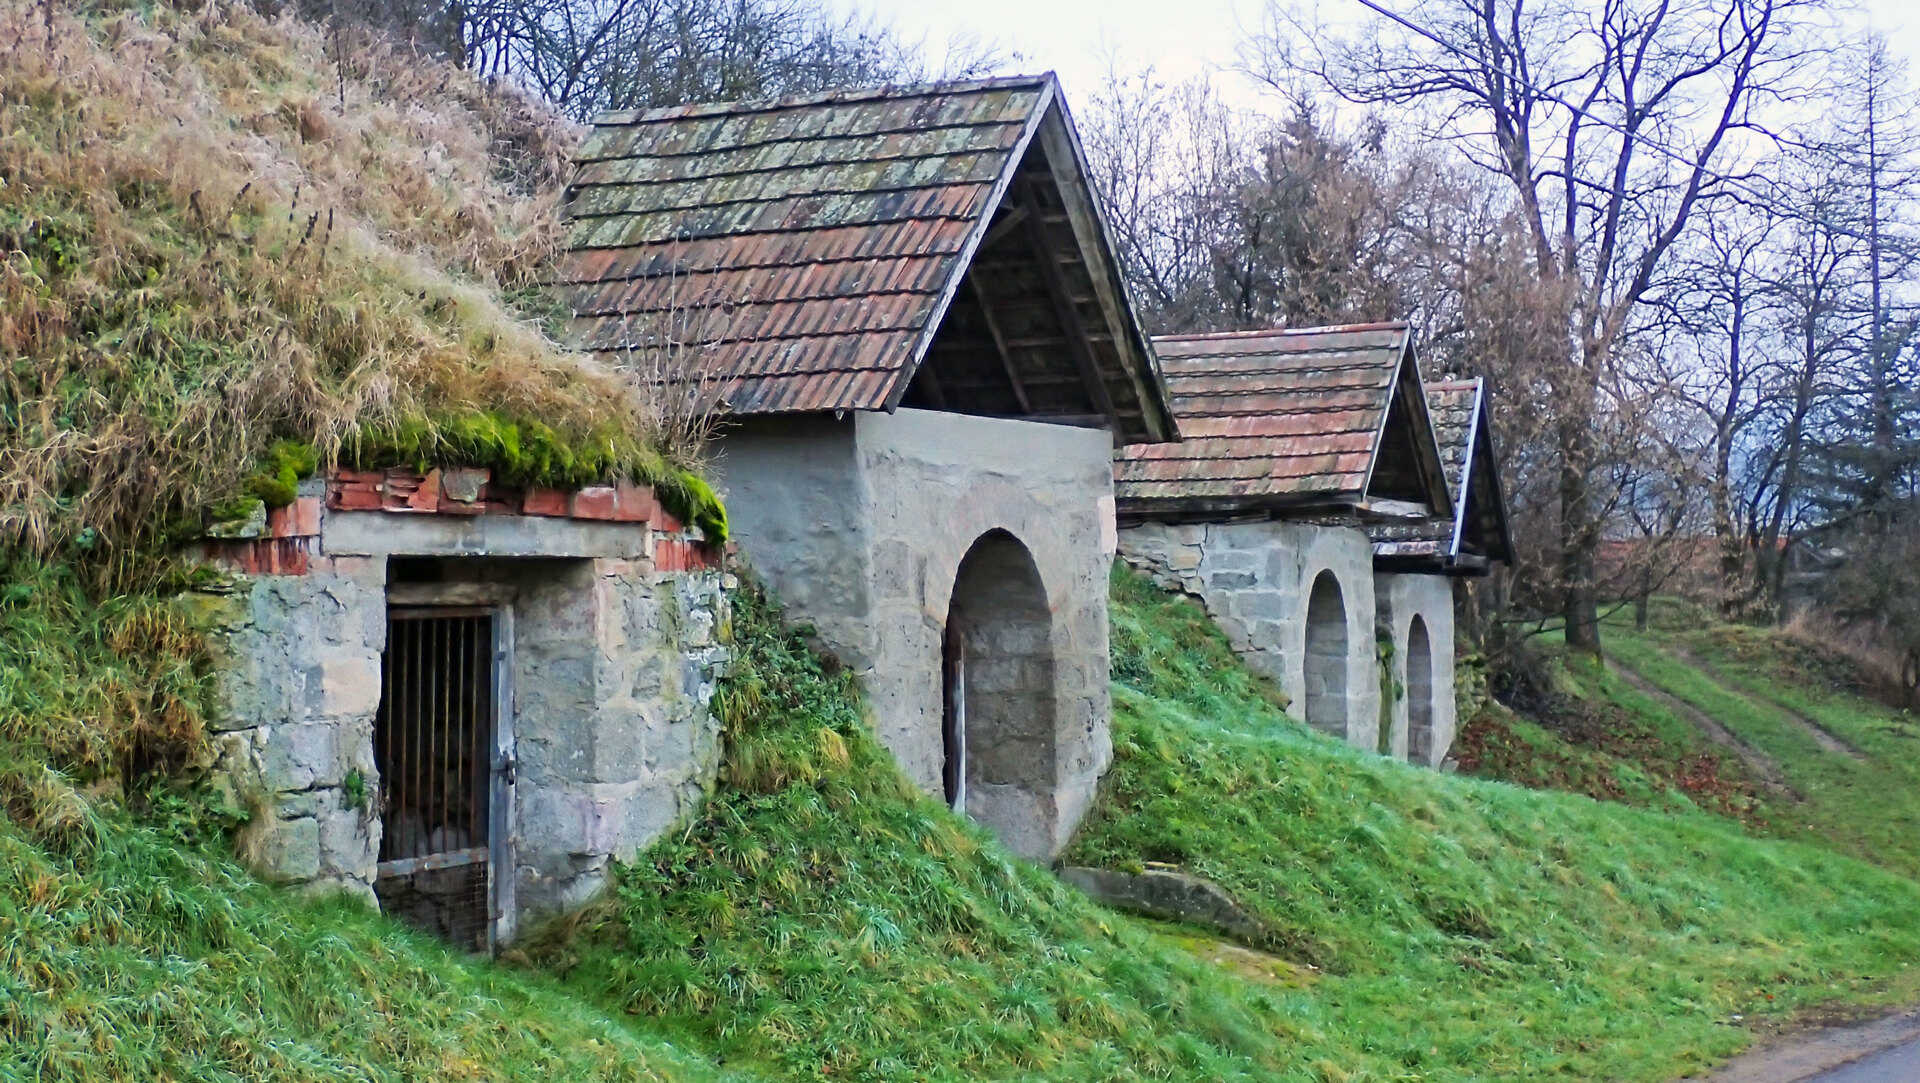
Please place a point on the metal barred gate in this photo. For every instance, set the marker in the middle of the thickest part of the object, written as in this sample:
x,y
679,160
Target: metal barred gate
x,y
445,758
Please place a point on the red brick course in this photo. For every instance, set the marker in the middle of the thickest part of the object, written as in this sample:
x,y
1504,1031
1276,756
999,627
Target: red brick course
x,y
288,548
634,504
262,556
550,502
593,502
300,519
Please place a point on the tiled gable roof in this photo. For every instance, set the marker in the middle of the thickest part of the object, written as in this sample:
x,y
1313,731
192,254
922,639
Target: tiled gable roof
x,y
803,252
1476,523
1281,418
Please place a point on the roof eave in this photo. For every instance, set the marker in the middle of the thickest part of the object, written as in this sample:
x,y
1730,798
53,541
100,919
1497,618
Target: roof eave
x,y
1466,467
1426,446
1138,508
963,262
632,117
1150,385
1485,418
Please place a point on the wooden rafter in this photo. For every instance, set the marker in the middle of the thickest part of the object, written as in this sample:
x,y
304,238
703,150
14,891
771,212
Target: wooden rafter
x,y
1061,296
1000,343
935,393
1009,221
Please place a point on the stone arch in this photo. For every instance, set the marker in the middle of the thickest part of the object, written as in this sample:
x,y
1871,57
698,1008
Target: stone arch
x,y
1325,662
998,710
1420,688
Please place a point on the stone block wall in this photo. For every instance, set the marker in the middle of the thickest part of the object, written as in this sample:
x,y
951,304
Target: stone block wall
x,y
614,655
613,666
1423,715
861,525
1256,580
302,684
939,483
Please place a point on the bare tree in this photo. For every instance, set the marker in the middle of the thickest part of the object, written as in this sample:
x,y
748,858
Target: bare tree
x,y
1867,453
1812,305
587,56
1712,306
1613,127
1231,219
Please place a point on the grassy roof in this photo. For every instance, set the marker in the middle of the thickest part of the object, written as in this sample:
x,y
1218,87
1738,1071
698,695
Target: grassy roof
x,y
222,232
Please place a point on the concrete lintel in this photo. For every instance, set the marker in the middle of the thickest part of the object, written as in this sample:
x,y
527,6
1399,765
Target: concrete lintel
x,y
381,533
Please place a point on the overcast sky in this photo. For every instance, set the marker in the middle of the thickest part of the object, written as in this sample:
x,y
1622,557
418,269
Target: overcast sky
x,y
1178,37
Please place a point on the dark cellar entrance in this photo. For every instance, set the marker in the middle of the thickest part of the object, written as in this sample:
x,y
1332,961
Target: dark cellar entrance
x,y
998,689
438,740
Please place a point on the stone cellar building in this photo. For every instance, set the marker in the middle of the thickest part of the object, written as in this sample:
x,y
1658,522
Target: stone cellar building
x,y
906,306
462,700
1416,562
1298,446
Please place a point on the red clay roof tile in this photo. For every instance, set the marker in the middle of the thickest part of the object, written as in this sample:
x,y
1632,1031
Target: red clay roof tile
x,y
1268,417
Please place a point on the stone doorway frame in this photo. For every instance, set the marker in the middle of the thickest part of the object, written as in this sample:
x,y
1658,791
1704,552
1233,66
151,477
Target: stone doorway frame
x,y
458,597
953,717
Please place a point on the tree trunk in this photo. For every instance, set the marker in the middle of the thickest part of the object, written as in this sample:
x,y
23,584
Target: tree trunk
x,y
1579,607
1732,547
1579,532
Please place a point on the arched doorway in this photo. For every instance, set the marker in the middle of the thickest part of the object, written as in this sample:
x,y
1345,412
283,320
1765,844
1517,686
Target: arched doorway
x,y
997,726
1326,658
1419,692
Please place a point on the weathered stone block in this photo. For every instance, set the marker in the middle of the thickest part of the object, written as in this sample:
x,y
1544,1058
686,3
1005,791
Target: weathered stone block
x,y
300,755
1261,605
1171,895
1234,560
348,838
463,484
343,686
284,850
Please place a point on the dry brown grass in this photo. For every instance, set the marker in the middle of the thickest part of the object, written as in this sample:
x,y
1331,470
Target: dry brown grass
x,y
212,237
1875,660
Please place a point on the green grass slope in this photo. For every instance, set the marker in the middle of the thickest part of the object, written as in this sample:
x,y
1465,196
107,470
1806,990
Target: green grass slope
x,y
1469,928
133,952
1586,729
823,919
1856,788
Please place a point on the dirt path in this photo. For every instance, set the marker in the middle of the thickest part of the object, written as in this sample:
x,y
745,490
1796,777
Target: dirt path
x,y
1823,1054
1765,768
1821,735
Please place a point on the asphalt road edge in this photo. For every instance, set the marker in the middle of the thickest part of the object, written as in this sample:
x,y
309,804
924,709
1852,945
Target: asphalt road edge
x,y
1789,1058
